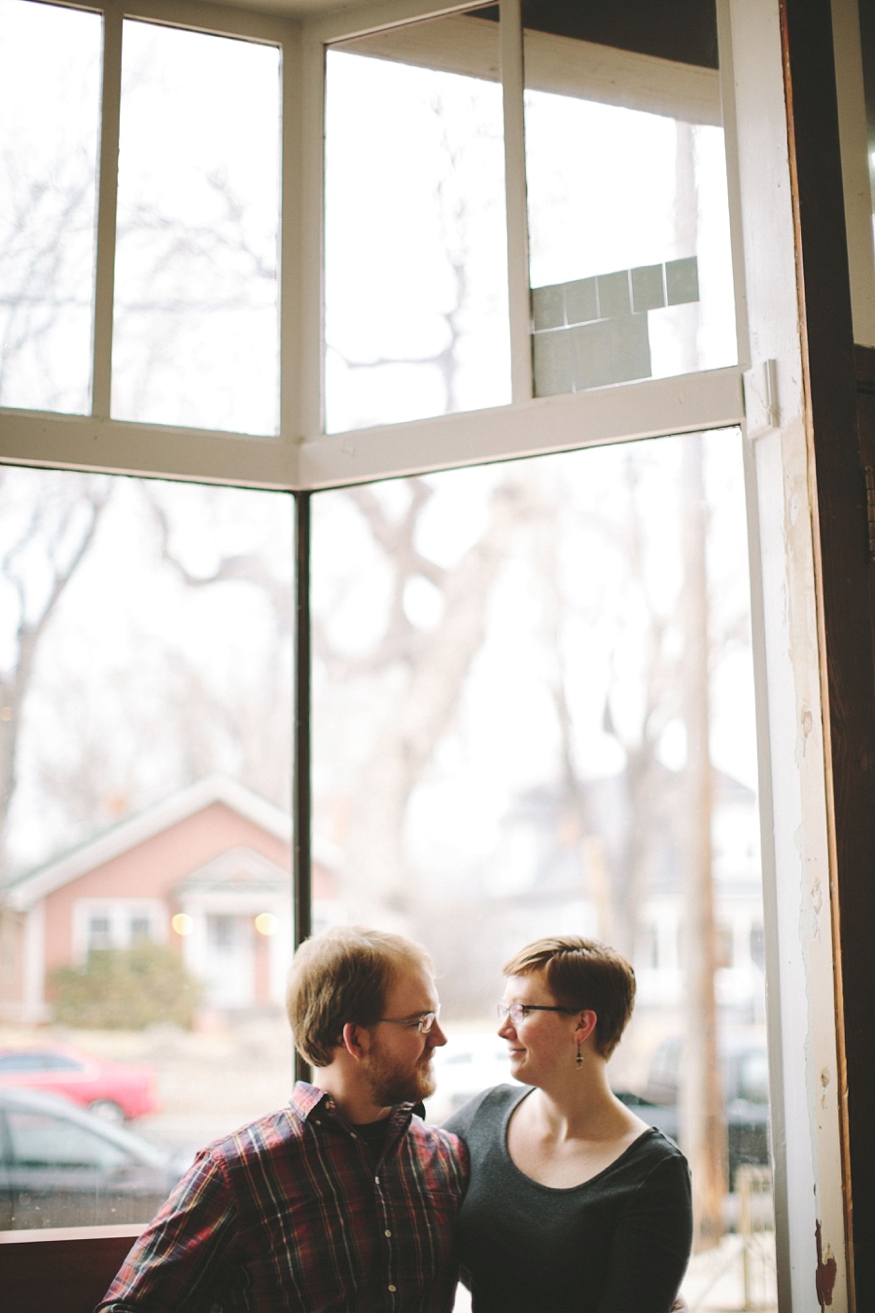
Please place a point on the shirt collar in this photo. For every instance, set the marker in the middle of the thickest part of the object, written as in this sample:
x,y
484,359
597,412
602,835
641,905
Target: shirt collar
x,y
307,1098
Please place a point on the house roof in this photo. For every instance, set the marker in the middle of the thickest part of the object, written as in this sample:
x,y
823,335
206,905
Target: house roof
x,y
34,885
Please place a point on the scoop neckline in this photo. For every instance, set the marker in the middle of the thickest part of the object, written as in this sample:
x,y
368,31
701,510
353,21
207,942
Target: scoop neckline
x,y
563,1189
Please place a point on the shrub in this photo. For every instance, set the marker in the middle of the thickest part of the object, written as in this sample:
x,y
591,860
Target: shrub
x,y
126,989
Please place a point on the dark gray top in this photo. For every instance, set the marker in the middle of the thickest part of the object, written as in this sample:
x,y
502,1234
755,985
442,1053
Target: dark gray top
x,y
619,1243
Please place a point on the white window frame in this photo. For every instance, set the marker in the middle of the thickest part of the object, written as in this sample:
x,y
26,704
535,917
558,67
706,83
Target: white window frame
x,y
303,457
796,850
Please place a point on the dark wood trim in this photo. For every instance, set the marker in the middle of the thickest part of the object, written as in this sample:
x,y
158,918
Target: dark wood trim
x,y
301,801
841,553
865,357
50,1274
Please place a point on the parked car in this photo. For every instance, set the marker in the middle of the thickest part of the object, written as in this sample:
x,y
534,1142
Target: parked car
x,y
60,1166
745,1072
116,1091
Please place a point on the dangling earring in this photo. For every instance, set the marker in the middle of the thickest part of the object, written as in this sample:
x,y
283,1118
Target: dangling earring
x,y
579,1057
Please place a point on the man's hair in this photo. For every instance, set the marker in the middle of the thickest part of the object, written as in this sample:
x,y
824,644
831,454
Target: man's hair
x,y
583,974
340,976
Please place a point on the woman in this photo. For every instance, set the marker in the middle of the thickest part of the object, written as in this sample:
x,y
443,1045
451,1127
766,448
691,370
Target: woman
x,y
574,1202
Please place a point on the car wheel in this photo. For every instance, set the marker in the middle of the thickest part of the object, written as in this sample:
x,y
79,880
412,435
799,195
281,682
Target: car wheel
x,y
108,1110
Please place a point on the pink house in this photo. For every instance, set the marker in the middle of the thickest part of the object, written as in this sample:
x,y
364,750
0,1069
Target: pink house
x,y
206,871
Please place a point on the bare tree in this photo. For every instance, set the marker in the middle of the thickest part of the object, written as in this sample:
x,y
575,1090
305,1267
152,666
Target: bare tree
x,y
454,210
52,532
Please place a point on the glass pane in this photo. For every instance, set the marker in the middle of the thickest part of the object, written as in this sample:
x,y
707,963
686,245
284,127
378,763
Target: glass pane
x,y
509,713
196,318
631,265
149,734
416,255
49,106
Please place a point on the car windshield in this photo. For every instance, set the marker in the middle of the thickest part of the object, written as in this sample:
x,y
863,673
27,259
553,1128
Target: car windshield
x,y
41,1140
15,1062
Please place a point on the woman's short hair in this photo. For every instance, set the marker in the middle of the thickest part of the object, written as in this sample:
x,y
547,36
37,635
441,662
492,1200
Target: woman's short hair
x,y
583,974
340,976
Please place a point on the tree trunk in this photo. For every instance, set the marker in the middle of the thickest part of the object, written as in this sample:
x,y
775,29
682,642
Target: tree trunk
x,y
703,1128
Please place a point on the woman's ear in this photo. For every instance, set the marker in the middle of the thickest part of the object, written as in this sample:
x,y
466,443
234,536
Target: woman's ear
x,y
587,1021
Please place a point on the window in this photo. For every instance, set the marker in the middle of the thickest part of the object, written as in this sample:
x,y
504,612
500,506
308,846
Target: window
x,y
631,267
49,112
78,394
149,834
196,279
416,258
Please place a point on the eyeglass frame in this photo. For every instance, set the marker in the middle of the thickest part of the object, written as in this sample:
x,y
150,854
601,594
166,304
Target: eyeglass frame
x,y
424,1023
506,1010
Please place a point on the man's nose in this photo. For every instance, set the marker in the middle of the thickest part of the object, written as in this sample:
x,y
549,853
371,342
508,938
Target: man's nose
x,y
436,1037
505,1030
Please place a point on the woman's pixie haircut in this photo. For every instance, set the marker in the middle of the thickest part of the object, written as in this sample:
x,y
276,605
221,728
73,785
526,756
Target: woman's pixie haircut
x,y
583,974
340,976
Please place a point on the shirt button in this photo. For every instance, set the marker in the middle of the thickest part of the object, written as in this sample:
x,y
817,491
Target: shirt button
x,y
352,1135
387,1232
392,1288
376,1180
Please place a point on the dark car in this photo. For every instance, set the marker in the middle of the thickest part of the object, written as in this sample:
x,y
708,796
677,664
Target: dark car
x,y
745,1073
60,1166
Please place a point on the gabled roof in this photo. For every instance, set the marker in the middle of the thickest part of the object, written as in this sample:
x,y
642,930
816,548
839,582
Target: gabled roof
x,y
30,888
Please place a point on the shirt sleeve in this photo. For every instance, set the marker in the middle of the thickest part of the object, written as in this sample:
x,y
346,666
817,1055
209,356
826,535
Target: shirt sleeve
x,y
651,1244
186,1254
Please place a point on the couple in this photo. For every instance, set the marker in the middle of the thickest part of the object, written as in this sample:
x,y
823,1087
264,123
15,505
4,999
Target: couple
x,y
551,1194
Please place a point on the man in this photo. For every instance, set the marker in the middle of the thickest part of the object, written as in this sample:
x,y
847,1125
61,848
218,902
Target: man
x,y
345,1199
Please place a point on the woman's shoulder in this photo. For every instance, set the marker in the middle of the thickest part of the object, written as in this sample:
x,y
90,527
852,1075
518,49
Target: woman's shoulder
x,y
655,1160
486,1110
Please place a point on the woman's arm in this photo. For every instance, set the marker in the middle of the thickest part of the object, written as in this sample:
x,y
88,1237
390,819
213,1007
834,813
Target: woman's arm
x,y
651,1244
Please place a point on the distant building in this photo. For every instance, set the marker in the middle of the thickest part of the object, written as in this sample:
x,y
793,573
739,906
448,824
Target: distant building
x,y
561,859
206,871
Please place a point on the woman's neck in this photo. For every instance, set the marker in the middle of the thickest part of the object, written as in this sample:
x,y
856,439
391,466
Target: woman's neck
x,y
581,1105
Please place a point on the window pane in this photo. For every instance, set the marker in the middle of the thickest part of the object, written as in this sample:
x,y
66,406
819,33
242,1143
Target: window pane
x,y
196,319
49,98
631,265
508,723
142,979
416,262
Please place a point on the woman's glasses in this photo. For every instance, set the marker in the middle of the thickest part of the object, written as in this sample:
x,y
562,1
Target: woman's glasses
x,y
518,1012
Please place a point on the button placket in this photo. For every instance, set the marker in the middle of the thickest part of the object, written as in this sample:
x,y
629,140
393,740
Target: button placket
x,y
388,1235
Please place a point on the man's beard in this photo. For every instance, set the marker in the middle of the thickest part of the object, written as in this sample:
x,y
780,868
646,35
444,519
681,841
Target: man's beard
x,y
393,1083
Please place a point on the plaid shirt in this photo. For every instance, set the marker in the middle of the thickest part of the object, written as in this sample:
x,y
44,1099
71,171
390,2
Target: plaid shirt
x,y
292,1213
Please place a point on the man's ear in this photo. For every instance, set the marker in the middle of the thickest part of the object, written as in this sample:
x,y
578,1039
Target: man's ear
x,y
356,1040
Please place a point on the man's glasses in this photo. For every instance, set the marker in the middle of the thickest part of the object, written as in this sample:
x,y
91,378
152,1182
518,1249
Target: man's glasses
x,y
518,1012
423,1023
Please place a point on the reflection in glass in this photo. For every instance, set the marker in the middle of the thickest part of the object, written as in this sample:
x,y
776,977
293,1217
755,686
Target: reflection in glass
x,y
196,326
505,735
631,266
145,918
49,97
416,264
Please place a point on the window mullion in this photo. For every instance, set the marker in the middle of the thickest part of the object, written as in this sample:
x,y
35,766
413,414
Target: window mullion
x,y
290,243
312,209
107,195
301,791
515,185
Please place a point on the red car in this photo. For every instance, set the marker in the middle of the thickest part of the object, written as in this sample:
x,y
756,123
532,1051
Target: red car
x,y
114,1090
